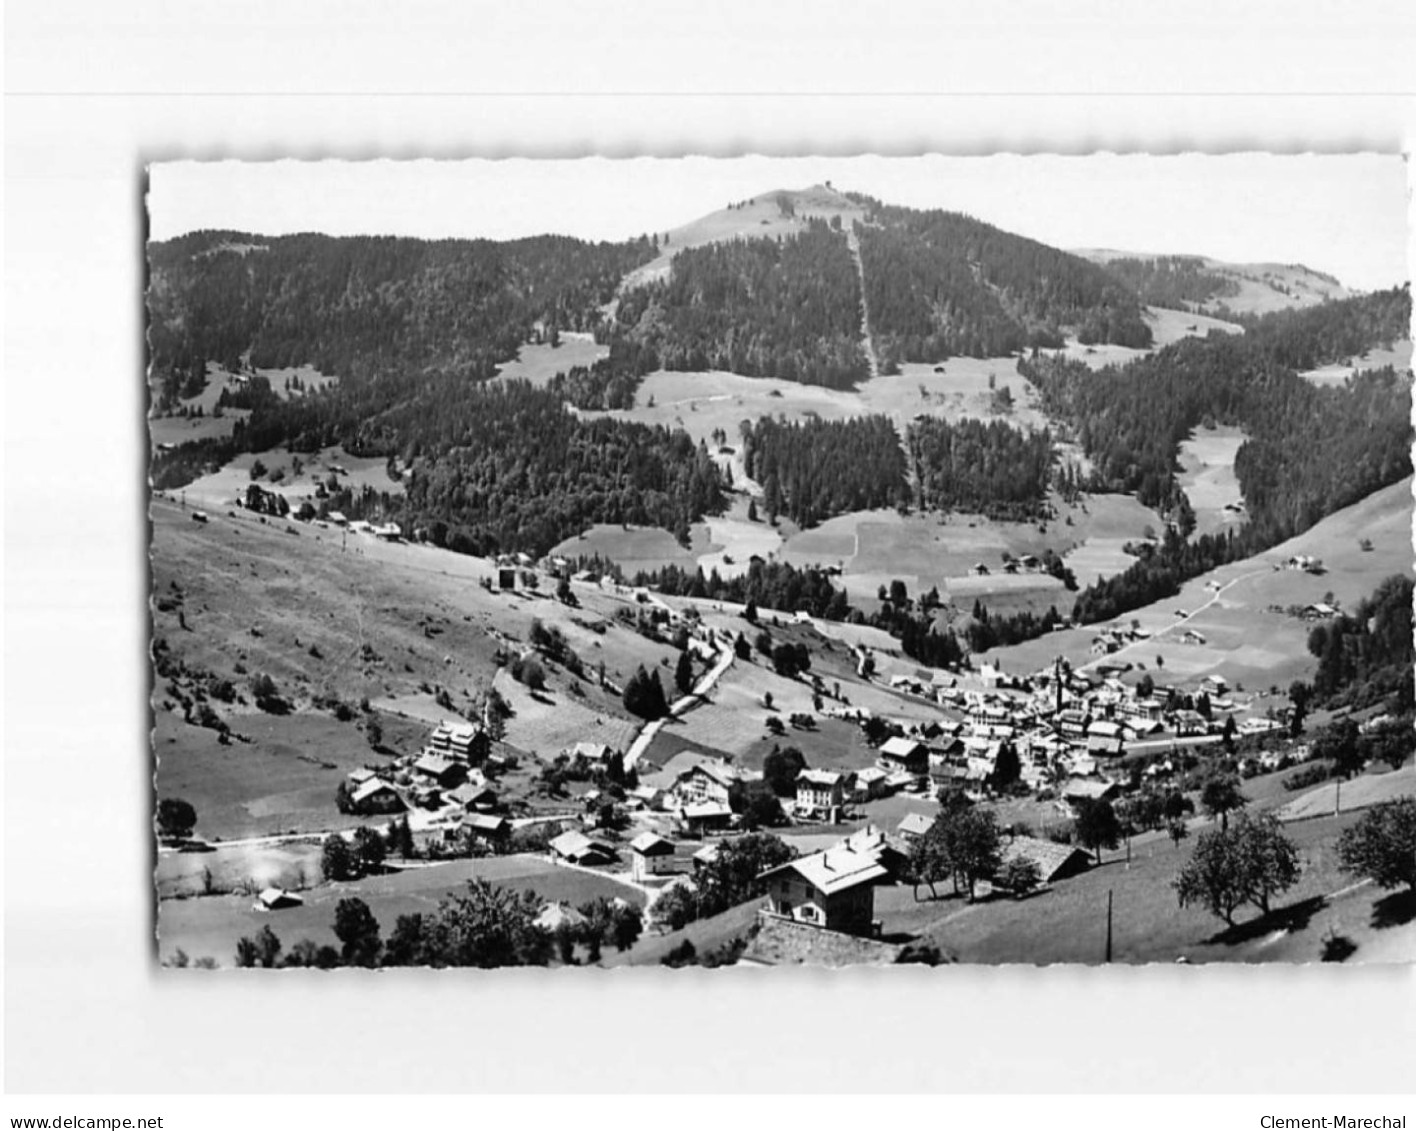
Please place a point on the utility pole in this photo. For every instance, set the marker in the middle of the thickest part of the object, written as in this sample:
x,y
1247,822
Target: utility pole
x,y
1108,925
1337,802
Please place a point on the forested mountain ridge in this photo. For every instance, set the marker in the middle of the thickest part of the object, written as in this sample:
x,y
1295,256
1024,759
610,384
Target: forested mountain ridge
x,y
940,284
358,306
786,307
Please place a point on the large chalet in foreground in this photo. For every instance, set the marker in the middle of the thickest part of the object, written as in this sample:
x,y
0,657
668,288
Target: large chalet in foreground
x,y
833,889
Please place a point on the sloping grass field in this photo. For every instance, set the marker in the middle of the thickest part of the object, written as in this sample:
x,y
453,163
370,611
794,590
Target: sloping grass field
x,y
211,925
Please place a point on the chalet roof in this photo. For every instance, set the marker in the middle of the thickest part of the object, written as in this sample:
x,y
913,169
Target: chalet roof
x,y
592,751
652,844
1092,788
1050,858
434,764
899,747
836,869
371,788
471,792
826,778
556,915
484,822
572,843
278,897
706,810
914,824
784,942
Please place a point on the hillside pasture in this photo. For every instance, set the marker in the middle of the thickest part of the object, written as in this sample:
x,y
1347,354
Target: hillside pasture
x,y
759,218
1267,287
956,389
539,362
1359,793
1244,640
1170,326
1067,923
283,781
738,541
1207,476
636,548
1337,373
211,926
546,722
189,429
221,488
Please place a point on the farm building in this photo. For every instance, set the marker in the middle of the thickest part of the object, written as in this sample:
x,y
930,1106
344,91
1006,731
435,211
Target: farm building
x,y
595,753
442,771
870,783
913,826
834,889
705,816
277,899
474,793
650,855
486,827
903,755
1054,861
376,796
705,855
649,795
581,849
560,916
820,793
1079,790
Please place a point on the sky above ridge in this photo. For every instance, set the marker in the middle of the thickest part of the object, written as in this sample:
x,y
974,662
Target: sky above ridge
x,y
1346,215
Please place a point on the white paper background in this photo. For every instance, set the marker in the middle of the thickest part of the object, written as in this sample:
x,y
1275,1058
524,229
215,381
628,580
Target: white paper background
x,y
96,90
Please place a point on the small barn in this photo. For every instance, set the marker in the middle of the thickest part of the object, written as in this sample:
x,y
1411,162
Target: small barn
x,y
578,848
1054,861
277,899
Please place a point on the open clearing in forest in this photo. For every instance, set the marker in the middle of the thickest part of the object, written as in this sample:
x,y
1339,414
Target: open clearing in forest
x,y
636,548
539,362
1399,357
1207,477
221,488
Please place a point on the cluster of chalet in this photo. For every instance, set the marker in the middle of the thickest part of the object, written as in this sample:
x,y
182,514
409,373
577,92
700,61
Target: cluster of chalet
x,y
451,779
1064,725
702,792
